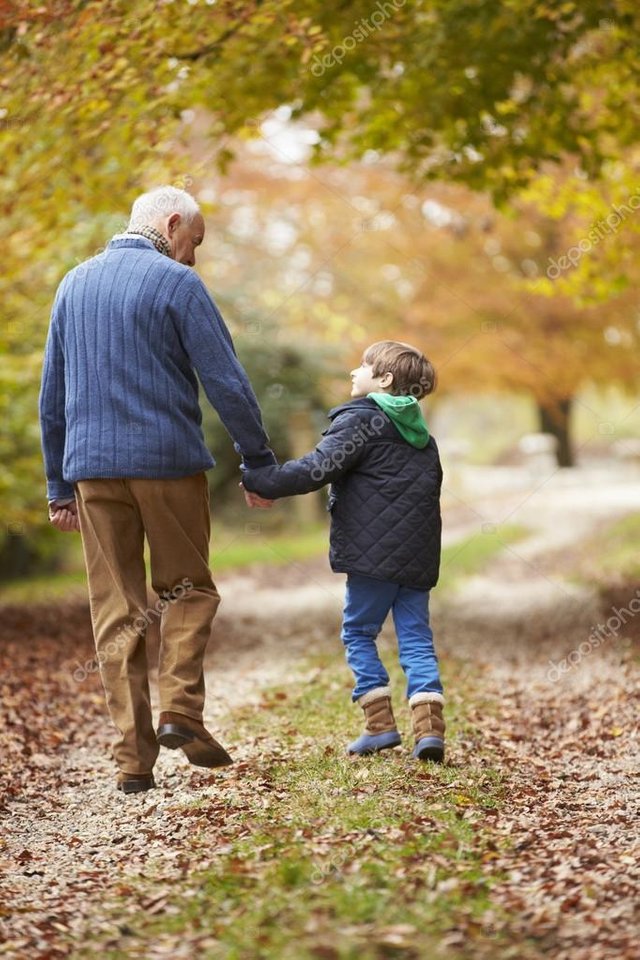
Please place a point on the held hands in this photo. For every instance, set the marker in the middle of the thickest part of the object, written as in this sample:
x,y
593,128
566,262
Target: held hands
x,y
64,518
253,500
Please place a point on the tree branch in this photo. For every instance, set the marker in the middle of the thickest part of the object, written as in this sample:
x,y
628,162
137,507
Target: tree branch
x,y
222,39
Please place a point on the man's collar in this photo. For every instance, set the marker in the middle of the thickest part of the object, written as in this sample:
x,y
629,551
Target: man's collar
x,y
158,239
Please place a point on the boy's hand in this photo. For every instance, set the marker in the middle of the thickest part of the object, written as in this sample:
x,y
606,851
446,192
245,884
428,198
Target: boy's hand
x,y
64,518
253,500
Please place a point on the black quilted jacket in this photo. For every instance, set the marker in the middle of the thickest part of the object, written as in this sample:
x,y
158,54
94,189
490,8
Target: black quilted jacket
x,y
384,498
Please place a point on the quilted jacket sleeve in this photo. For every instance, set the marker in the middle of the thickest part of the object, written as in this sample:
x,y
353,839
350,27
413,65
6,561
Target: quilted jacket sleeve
x,y
339,451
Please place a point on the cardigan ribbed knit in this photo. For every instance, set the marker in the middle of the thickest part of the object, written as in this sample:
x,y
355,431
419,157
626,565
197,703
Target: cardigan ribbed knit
x,y
129,330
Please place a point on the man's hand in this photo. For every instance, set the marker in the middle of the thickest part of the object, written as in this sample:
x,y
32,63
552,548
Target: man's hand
x,y
64,518
253,500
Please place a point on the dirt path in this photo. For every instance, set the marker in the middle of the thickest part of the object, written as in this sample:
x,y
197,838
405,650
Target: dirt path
x,y
569,741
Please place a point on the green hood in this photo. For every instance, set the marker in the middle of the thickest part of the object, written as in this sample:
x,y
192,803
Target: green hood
x,y
406,415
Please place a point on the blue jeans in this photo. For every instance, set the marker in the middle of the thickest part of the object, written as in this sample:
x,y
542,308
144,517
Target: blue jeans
x,y
367,604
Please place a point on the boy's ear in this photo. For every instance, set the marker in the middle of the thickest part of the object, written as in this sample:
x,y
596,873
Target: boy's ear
x,y
386,380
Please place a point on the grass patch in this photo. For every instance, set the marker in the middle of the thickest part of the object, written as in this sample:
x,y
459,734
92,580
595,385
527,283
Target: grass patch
x,y
252,545
43,588
612,555
471,555
231,549
320,856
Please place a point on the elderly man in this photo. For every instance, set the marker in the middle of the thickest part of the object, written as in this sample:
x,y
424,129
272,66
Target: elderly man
x,y
125,458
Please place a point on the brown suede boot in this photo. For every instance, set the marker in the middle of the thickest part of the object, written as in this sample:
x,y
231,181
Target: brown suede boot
x,y
428,726
380,731
175,730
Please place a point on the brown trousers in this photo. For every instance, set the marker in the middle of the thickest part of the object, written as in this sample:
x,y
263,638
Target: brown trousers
x,y
115,516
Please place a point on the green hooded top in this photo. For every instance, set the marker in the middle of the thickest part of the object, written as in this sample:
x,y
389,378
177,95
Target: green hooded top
x,y
406,415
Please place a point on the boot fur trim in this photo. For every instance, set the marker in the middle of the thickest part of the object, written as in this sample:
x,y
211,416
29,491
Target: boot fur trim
x,y
372,695
426,698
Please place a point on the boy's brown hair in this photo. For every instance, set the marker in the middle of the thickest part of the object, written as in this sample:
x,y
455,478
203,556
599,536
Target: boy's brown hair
x,y
413,374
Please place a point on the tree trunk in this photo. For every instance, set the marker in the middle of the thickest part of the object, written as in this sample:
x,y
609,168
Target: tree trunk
x,y
22,557
555,419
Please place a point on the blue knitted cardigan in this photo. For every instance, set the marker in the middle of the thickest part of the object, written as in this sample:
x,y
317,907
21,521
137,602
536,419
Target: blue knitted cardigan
x,y
130,329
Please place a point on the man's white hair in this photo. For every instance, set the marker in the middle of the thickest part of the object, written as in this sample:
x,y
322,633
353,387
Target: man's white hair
x,y
162,202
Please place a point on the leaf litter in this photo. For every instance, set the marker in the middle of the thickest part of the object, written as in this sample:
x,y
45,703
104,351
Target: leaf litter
x,y
560,854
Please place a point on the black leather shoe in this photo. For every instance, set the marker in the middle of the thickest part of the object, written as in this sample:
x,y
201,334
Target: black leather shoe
x,y
129,783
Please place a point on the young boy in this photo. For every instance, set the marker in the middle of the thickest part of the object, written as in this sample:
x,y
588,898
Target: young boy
x,y
385,477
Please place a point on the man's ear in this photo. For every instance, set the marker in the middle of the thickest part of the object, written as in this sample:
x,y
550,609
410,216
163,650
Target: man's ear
x,y
173,223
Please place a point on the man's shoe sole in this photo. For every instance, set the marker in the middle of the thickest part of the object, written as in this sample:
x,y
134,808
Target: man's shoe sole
x,y
201,753
136,784
172,735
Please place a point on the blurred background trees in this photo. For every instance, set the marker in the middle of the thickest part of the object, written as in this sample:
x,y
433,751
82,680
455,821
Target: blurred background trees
x,y
416,170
